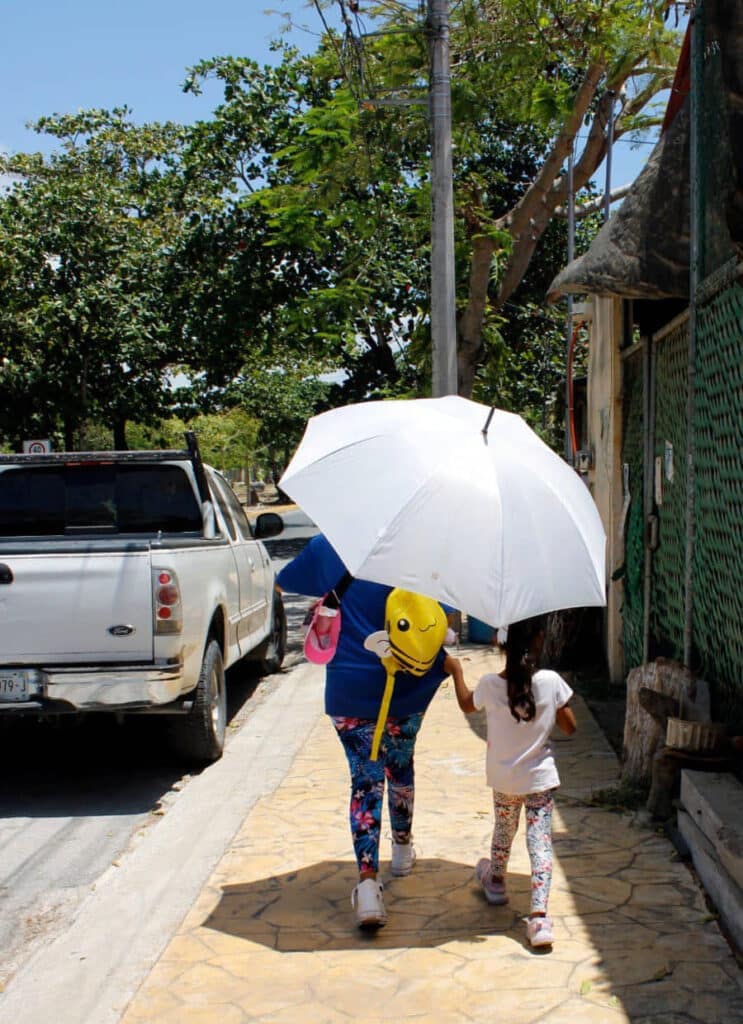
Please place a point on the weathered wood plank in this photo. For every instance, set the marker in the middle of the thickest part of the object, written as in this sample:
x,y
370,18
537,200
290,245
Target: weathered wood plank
x,y
714,802
722,890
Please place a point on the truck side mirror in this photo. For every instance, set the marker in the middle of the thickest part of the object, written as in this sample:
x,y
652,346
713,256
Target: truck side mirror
x,y
268,524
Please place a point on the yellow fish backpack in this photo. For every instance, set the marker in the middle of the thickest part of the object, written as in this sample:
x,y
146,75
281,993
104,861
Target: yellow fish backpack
x,y
415,631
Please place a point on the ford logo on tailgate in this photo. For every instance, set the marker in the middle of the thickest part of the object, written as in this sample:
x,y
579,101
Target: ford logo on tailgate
x,y
121,630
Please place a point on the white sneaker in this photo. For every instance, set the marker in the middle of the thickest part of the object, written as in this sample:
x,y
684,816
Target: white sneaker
x,y
403,858
367,901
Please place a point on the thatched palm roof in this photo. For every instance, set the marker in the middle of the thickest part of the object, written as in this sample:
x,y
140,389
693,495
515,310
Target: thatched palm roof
x,y
643,250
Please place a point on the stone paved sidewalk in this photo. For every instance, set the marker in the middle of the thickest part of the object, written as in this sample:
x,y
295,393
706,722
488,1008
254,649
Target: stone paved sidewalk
x,y
272,937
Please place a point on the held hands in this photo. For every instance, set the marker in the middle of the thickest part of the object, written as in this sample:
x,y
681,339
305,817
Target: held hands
x,y
453,667
565,720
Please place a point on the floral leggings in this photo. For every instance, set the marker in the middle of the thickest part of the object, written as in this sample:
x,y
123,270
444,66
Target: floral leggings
x,y
395,764
539,808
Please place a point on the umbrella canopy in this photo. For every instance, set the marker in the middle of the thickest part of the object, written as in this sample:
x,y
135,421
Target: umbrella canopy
x,y
420,495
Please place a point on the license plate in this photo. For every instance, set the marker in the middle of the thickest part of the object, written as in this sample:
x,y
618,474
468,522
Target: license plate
x,y
13,686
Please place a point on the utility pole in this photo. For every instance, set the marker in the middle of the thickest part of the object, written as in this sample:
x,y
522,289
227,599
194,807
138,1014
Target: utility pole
x,y
569,453
443,308
609,148
696,273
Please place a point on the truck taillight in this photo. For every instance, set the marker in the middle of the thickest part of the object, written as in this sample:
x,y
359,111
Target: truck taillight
x,y
168,595
167,601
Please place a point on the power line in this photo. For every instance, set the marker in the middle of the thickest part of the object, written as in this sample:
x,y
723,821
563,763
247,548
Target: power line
x,y
331,35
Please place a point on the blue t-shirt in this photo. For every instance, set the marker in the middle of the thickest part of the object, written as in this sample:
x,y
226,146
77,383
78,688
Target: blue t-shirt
x,y
355,678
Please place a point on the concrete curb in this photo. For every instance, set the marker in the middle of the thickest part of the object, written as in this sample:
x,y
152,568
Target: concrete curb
x,y
92,971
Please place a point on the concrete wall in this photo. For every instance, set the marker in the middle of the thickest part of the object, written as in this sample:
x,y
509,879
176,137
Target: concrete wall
x,y
605,441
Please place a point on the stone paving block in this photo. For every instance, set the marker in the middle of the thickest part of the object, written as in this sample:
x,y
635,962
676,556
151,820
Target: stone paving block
x,y
584,1011
272,939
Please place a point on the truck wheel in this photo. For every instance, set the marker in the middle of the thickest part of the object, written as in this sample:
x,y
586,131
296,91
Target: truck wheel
x,y
271,655
199,735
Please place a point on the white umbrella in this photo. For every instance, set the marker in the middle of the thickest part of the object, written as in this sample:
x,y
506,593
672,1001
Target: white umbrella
x,y
422,495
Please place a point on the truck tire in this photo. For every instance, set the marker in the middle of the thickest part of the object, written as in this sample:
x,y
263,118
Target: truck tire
x,y
272,651
199,735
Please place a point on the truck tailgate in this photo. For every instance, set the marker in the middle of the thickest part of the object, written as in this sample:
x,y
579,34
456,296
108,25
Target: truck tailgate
x,y
77,608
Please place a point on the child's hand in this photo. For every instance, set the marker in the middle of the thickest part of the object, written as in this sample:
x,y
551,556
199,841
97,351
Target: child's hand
x,y
565,720
453,667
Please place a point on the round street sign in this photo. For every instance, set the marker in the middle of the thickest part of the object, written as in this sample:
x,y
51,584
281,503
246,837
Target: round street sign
x,y
37,447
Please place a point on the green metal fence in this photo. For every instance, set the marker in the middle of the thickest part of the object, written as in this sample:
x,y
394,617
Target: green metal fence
x,y
632,457
717,538
670,357
717,564
718,533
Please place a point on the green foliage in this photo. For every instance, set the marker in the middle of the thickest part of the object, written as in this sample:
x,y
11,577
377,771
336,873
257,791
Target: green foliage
x,y
347,182
283,401
627,796
85,242
227,440
287,236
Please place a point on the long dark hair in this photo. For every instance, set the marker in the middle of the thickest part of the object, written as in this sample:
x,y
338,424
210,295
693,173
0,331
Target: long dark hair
x,y
521,665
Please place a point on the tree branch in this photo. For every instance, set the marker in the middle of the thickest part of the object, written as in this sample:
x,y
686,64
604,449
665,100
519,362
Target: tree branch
x,y
581,210
517,219
637,102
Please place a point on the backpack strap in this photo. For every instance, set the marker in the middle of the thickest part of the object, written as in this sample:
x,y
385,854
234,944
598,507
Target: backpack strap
x,y
333,597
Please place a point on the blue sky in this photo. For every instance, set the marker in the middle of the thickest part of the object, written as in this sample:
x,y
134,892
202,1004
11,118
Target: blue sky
x,y
67,55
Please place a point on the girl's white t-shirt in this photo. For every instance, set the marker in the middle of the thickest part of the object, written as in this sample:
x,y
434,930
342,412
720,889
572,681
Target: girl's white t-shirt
x,y
519,758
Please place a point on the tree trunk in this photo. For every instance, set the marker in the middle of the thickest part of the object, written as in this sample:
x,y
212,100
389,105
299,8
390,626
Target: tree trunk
x,y
83,417
119,430
469,329
526,223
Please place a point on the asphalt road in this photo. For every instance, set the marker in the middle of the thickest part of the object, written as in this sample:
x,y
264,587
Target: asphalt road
x,y
77,795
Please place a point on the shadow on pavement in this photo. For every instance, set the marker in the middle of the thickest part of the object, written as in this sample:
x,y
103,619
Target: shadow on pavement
x,y
84,766
310,909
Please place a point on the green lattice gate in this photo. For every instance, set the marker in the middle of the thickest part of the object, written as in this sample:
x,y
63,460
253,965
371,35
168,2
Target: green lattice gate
x,y
718,537
717,564
670,357
632,457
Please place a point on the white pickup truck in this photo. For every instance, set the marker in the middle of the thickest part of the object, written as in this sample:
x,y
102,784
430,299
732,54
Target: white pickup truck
x,y
129,581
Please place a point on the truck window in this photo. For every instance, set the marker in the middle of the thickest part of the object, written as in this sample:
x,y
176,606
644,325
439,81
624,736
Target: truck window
x,y
98,498
238,513
219,498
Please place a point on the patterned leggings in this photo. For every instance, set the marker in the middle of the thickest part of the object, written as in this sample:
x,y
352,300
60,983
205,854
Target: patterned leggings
x,y
539,808
395,764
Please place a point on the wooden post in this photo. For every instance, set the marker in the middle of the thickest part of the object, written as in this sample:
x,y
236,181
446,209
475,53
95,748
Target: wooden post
x,y
605,475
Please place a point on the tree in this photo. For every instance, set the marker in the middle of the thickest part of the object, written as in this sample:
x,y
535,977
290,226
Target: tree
x,y
85,241
121,258
227,439
528,76
569,64
346,258
282,401
289,232
84,247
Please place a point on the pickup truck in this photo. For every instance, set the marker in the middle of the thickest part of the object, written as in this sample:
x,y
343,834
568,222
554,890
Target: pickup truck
x,y
129,582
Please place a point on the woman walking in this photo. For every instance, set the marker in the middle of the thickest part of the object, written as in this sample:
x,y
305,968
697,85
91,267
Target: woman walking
x,y
354,685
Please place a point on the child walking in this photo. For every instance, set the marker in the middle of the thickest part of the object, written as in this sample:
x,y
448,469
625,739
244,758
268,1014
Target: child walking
x,y
522,706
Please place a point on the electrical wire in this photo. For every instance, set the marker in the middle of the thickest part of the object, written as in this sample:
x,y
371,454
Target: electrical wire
x,y
331,35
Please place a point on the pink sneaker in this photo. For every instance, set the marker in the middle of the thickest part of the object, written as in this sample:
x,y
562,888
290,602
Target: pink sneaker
x,y
539,931
495,892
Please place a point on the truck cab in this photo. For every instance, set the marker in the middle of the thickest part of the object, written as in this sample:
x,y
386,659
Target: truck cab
x,y
129,582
